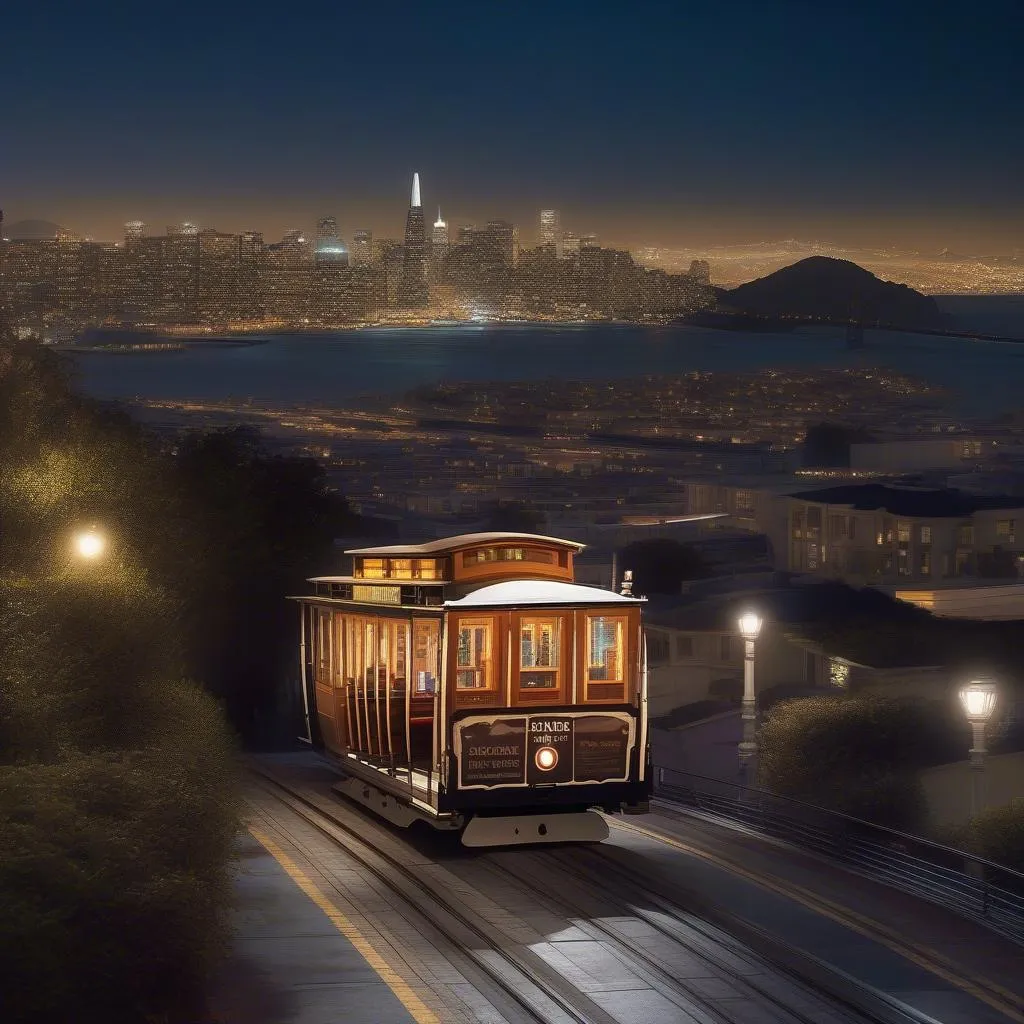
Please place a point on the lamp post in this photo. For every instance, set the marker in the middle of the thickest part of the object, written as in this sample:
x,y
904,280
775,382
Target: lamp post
x,y
979,700
750,626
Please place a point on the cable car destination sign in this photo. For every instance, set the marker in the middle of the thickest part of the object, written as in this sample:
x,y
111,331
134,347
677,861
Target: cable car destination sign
x,y
543,749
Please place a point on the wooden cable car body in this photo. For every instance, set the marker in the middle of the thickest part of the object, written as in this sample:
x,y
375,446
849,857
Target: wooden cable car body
x,y
472,684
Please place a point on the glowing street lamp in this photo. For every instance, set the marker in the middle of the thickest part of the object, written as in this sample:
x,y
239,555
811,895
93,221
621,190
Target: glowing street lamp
x,y
750,627
90,544
978,698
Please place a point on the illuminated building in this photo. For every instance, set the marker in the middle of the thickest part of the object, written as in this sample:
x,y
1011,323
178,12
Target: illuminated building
x,y
289,265
551,230
438,249
589,242
361,254
180,275
217,277
326,227
412,286
570,245
143,273
251,275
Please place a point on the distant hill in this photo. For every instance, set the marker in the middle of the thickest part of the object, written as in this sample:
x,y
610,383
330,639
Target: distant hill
x,y
820,287
31,230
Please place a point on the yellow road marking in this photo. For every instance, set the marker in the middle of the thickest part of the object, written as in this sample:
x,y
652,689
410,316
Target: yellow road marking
x,y
421,1013
925,957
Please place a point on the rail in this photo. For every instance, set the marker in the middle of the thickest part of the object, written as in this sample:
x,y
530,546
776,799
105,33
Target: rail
x,y
970,885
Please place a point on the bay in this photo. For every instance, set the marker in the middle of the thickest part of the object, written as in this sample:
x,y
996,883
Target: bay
x,y
335,370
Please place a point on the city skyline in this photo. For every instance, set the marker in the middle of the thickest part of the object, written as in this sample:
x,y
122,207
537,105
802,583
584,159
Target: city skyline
x,y
881,126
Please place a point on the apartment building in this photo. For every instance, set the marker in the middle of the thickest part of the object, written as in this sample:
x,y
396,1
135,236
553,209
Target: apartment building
x,y
871,534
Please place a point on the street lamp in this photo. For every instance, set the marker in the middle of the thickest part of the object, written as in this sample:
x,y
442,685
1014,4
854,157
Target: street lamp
x,y
979,700
750,626
90,544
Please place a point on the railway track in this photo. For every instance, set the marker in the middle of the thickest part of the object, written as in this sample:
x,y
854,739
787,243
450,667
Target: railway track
x,y
522,979
651,938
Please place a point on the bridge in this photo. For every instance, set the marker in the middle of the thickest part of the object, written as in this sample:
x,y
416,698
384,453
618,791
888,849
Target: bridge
x,y
725,904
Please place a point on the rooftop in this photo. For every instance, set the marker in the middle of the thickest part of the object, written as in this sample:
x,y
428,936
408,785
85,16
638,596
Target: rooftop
x,y
464,540
905,501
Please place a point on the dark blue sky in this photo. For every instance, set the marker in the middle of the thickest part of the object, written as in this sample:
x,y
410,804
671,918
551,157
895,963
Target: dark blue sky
x,y
687,123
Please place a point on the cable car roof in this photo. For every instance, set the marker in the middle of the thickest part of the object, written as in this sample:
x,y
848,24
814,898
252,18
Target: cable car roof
x,y
539,592
465,540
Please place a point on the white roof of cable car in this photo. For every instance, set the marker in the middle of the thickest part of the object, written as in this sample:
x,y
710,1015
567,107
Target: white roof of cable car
x,y
534,592
433,547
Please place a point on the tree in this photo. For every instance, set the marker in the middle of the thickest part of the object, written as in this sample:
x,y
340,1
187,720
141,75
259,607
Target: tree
x,y
117,799
661,565
513,518
827,445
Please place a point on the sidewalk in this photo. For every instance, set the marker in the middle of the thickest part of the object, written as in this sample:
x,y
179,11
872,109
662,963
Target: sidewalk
x,y
289,963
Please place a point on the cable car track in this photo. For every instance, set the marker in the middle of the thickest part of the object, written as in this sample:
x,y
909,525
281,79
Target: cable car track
x,y
536,988
846,997
569,1004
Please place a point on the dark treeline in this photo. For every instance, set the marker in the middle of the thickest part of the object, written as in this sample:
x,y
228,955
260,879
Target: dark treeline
x,y
127,683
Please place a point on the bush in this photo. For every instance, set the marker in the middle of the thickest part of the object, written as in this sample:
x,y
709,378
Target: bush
x,y
854,755
998,835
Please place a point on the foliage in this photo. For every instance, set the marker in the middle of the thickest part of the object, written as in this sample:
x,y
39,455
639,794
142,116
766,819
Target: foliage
x,y
513,517
827,445
854,755
661,565
998,835
117,778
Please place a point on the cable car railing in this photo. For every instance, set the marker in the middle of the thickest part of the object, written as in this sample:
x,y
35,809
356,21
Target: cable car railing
x,y
970,885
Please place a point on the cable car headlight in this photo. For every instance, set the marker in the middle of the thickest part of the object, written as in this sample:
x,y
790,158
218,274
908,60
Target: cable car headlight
x,y
546,758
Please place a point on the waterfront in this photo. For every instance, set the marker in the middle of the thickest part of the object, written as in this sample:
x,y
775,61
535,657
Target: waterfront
x,y
333,371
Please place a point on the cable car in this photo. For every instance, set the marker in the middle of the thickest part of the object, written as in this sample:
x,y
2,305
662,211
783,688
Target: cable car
x,y
471,683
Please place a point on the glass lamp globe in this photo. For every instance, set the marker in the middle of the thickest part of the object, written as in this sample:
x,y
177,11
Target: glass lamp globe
x,y
978,698
750,625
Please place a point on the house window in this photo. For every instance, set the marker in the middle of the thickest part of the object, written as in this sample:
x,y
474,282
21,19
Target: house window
x,y
540,653
926,535
926,563
605,648
473,661
1006,530
684,646
903,533
965,536
373,569
658,649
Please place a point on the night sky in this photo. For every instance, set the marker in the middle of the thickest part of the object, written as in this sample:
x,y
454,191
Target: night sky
x,y
661,123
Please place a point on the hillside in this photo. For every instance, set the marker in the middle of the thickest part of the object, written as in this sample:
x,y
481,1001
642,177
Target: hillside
x,y
820,287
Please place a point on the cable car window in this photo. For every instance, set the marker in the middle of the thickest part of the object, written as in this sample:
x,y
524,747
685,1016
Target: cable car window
x,y
540,652
426,642
473,656
605,648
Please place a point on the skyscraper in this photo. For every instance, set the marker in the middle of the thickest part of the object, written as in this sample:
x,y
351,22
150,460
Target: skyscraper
x,y
438,249
412,288
362,248
327,227
551,230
